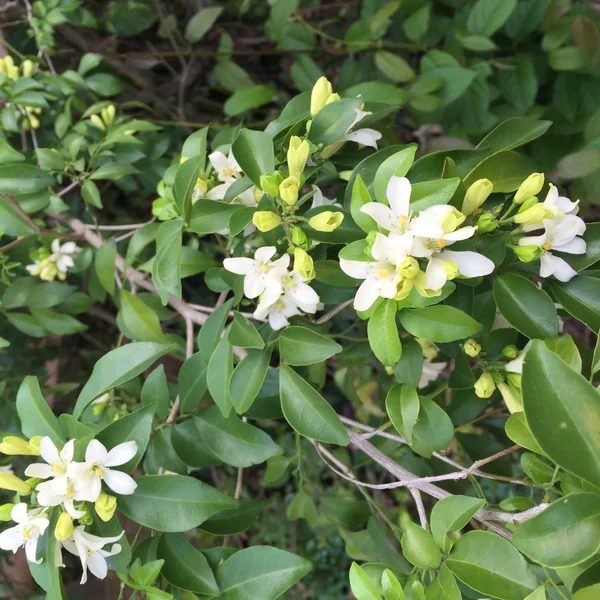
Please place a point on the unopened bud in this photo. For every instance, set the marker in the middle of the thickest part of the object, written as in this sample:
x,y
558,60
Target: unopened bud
x,y
476,195
321,92
510,351
269,184
472,348
105,506
486,223
297,155
512,401
326,221
485,386
87,518
532,186
536,214
299,238
64,527
5,511
15,446
409,268
98,122
451,269
27,68
11,482
265,220
303,264
288,190
528,253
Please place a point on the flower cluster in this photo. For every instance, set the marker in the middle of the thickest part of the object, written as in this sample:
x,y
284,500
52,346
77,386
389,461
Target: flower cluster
x,y
49,266
65,483
282,293
413,253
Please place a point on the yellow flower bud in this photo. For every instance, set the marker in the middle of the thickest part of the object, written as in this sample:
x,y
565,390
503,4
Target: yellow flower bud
x,y
451,269
532,186
98,122
512,401
471,348
5,511
64,527
428,348
108,114
201,185
404,288
528,253
105,506
420,282
321,92
299,238
345,175
452,220
48,270
16,446
485,386
303,264
476,195
265,220
326,221
332,98
536,214
297,155
409,268
27,68
288,190
14,484
269,184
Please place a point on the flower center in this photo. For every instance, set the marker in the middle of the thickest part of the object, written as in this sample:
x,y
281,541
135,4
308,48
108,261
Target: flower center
x,y
58,468
98,471
384,272
441,243
228,171
264,268
402,220
548,246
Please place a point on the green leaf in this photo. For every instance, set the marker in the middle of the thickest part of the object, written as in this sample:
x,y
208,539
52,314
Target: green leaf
x,y
186,567
210,216
218,374
397,165
506,170
58,323
524,306
105,264
35,415
416,26
113,171
402,406
419,548
173,502
592,253
201,23
449,516
580,298
248,378
492,566
192,383
360,197
444,586
254,152
156,391
135,427
433,430
439,323
23,179
139,240
307,411
518,431
234,442
166,268
46,574
564,534
562,411
394,67
195,144
140,321
12,222
429,193
188,445
247,99
360,584
27,324
332,121
117,367
260,573
243,334
392,590
234,520
210,332
382,331
565,347
487,16
302,346
186,178
409,368
8,155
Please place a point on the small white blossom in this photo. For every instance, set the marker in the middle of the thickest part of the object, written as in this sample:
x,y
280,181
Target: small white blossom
x,y
226,167
30,525
395,217
366,136
469,264
559,206
60,492
63,255
437,227
57,463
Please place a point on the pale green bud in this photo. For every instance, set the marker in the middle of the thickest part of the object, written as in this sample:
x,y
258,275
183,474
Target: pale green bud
x,y
536,214
18,447
476,195
321,92
510,351
528,253
297,155
98,122
486,223
451,269
11,482
532,186
265,220
27,68
269,184
485,386
409,268
326,221
288,190
64,527
303,264
472,348
5,511
512,401
299,238
105,506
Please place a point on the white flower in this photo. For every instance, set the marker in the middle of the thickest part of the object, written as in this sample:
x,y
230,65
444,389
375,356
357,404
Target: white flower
x,y
57,463
260,271
88,548
96,468
561,235
278,312
469,264
319,199
226,167
62,255
381,277
431,371
516,365
559,206
437,227
366,137
30,525
395,217
60,492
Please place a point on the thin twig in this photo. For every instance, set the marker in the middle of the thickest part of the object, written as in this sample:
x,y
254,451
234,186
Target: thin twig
x,y
189,350
416,494
329,315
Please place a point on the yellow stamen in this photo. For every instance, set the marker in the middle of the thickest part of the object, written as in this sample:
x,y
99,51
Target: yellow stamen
x,y
57,468
98,472
548,246
441,243
264,268
403,219
383,272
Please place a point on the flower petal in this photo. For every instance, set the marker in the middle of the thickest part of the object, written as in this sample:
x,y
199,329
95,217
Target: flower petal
x,y
366,137
470,264
382,215
49,451
366,295
553,265
435,274
11,539
218,160
96,563
398,195
575,246
95,452
356,268
120,454
39,471
239,266
119,482
19,513
66,454
463,233
265,253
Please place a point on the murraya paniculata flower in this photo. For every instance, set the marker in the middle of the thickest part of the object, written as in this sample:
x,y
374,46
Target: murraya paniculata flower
x,y
30,525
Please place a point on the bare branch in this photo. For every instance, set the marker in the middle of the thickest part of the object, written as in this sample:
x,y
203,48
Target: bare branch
x,y
334,311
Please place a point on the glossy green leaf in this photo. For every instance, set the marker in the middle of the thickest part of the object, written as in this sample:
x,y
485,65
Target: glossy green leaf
x,y
360,197
201,23
419,548
506,170
524,306
397,165
260,573
492,566
487,16
104,264
218,374
23,179
449,516
12,222
248,98
564,534
439,323
234,520
192,383
392,590
210,333
140,321
302,346
186,567
8,155
561,408
332,121
185,182
580,298
307,411
117,367
173,502
156,391
382,331
189,446
518,431
254,152
360,584
248,378
46,574
402,406
243,334
444,586
166,268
